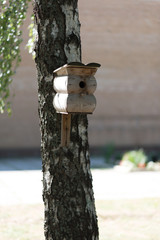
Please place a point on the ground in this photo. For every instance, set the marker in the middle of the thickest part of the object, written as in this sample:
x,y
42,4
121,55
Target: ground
x,y
127,203
118,220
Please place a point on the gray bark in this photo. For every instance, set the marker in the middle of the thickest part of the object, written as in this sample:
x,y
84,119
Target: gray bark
x,y
67,183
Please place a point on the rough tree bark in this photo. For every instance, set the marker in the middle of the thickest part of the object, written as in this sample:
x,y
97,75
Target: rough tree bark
x,y
68,196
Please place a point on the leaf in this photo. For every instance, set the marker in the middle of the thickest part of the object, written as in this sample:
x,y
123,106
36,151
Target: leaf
x,y
12,14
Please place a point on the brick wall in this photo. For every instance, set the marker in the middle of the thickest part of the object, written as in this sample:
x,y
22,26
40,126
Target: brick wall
x,y
124,36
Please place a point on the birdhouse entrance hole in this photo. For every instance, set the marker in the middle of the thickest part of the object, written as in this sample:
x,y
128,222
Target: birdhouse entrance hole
x,y
82,84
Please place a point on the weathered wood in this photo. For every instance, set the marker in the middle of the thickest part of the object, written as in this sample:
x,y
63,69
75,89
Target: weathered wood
x,y
75,84
65,129
74,103
76,70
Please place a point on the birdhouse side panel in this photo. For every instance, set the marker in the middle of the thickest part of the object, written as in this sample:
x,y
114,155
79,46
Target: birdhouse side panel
x,y
60,84
60,102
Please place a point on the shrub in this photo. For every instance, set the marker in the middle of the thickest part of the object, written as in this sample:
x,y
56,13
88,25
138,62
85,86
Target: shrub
x,y
137,157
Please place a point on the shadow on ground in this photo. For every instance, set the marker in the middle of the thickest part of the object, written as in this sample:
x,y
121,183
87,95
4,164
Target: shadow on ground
x,y
20,164
16,164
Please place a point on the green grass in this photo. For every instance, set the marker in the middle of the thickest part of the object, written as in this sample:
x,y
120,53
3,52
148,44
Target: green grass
x,y
118,220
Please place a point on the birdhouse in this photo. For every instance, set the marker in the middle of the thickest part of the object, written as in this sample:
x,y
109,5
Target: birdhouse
x,y
74,84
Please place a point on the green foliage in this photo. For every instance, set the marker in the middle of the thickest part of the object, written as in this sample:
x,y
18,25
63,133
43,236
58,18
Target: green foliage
x,y
137,157
12,14
109,151
32,37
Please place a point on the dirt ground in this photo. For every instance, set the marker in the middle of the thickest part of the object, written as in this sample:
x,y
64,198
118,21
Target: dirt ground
x,y
129,219
118,220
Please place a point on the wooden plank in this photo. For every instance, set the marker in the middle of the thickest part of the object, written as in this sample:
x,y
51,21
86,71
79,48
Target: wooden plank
x,y
76,70
65,130
74,103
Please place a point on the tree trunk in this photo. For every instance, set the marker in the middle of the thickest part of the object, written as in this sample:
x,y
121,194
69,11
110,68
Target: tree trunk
x,y
67,182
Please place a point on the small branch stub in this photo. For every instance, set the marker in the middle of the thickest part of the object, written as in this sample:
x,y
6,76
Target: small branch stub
x,y
75,84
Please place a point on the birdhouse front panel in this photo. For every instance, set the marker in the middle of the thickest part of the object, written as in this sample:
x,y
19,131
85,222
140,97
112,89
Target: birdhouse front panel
x,y
75,84
74,103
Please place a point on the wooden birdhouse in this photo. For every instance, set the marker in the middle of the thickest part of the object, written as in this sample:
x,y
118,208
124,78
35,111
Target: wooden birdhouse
x,y
74,84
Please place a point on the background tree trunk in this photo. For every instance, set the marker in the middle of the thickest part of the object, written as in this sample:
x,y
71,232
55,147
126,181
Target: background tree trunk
x,y
67,194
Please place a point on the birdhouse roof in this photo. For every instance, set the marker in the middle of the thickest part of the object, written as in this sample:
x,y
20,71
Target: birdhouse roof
x,y
77,68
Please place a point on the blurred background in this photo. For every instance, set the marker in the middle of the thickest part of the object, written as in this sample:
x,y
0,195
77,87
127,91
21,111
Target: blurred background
x,y
124,37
